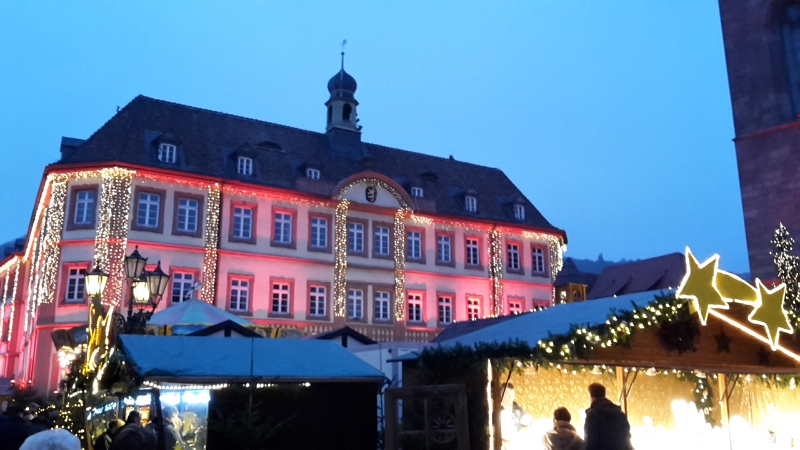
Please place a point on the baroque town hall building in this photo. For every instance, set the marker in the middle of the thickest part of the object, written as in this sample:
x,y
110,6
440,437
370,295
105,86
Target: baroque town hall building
x,y
287,228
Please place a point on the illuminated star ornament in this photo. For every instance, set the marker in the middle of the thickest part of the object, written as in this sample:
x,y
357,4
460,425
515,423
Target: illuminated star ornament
x,y
711,288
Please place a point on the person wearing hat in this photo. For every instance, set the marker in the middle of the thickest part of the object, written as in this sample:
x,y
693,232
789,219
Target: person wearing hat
x,y
103,442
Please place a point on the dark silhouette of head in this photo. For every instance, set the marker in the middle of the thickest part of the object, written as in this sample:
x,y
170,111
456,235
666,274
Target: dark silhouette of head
x,y
597,390
562,414
134,417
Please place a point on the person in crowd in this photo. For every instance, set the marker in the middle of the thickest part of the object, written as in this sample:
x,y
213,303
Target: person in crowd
x,y
103,442
133,436
606,426
563,435
172,425
59,439
14,429
514,421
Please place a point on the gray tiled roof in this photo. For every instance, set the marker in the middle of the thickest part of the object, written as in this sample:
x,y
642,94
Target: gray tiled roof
x,y
208,143
653,274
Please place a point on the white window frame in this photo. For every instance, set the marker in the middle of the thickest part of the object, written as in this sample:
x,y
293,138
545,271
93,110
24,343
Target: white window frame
x,y
414,251
382,306
319,232
182,283
445,310
512,256
519,212
473,308
167,153
313,174
75,290
382,241
355,304
355,237
444,248
417,192
471,203
538,260
473,256
84,207
149,208
317,301
243,223
244,165
515,306
283,228
188,214
281,298
414,302
240,295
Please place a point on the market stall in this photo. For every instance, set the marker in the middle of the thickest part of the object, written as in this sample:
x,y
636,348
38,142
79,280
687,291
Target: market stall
x,y
282,385
711,365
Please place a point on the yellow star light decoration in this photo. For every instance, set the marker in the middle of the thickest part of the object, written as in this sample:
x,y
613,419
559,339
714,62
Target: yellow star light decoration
x,y
769,312
711,288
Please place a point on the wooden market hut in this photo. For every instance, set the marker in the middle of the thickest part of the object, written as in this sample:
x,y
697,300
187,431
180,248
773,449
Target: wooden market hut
x,y
657,359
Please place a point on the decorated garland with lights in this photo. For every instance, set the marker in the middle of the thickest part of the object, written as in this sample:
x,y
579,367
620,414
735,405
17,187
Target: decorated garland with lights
x,y
557,249
496,270
399,264
112,229
50,238
788,267
340,261
13,300
208,292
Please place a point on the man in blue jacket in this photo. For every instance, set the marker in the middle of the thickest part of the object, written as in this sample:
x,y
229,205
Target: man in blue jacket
x,y
606,426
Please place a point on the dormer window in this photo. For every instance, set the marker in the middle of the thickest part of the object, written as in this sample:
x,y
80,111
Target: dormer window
x,y
313,174
244,166
167,153
519,212
417,192
471,203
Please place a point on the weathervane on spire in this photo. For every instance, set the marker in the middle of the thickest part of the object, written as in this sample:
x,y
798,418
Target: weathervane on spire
x,y
344,42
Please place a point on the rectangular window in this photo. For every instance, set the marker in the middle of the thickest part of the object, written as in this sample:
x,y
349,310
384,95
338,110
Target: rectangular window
x,y
319,232
84,207
538,260
382,241
445,310
444,249
188,212
182,284
414,245
244,166
317,301
473,252
313,174
242,223
76,286
513,263
473,308
148,211
515,306
417,192
355,304
519,212
471,203
283,228
415,308
240,295
382,306
280,298
355,237
167,153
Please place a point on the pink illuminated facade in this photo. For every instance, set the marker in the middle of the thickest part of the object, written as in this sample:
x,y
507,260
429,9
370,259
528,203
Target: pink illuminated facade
x,y
286,227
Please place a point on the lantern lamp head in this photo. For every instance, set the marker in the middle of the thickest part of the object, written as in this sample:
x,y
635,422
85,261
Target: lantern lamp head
x,y
157,281
95,282
135,264
141,293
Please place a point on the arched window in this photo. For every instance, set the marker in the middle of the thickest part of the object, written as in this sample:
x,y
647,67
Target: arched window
x,y
330,113
347,111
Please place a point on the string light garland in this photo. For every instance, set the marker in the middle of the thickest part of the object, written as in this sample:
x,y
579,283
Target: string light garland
x,y
50,240
208,291
372,182
274,195
13,300
340,261
788,267
400,264
112,229
496,271
556,246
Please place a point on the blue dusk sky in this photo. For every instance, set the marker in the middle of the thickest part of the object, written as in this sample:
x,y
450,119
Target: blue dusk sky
x,y
612,117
